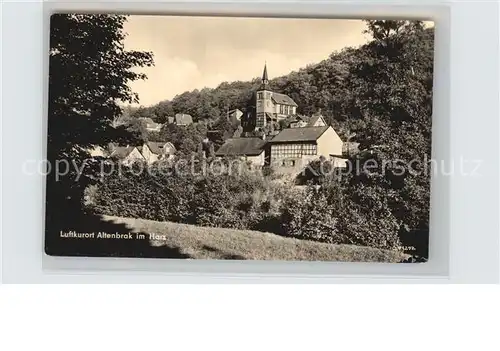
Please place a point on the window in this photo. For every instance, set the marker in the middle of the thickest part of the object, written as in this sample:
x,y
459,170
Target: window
x,y
259,95
309,149
292,150
268,95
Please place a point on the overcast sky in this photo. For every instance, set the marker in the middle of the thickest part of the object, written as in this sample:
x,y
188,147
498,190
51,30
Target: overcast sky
x,y
197,52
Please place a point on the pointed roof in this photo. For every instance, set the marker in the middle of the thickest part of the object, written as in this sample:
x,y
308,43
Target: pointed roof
x,y
264,74
265,79
158,148
313,122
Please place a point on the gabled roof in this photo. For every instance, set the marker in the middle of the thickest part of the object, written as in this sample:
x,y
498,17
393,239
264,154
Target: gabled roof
x,y
315,119
265,80
121,152
183,118
283,99
147,120
264,74
299,134
157,147
241,146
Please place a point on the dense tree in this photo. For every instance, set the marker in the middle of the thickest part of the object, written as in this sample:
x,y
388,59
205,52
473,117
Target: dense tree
x,y
186,139
392,91
138,128
318,171
88,78
221,130
161,111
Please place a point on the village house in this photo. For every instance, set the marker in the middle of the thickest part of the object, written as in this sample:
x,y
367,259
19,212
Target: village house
x,y
246,149
296,147
150,125
316,120
290,150
183,119
156,151
127,154
271,106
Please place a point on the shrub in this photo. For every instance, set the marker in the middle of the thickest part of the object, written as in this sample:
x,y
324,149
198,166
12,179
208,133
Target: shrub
x,y
317,172
328,212
152,195
232,201
311,215
366,219
213,203
268,171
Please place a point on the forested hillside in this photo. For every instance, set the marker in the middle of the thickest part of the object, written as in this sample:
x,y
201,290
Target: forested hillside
x,y
343,87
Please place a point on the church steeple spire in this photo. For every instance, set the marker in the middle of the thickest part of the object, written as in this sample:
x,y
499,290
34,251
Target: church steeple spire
x,y
265,80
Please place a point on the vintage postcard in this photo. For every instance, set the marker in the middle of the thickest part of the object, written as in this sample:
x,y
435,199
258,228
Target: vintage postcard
x,y
239,138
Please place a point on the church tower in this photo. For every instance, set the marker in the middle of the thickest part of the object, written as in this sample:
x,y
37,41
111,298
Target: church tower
x,y
264,104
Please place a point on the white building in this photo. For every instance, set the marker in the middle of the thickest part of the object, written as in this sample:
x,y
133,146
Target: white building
x,y
155,151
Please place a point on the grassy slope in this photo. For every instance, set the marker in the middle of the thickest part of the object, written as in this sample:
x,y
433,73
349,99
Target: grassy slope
x,y
221,243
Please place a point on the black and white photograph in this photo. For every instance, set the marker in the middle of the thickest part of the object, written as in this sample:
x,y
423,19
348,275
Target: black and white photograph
x,y
233,138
